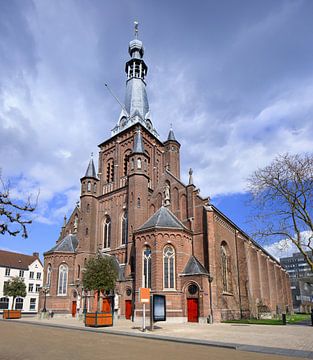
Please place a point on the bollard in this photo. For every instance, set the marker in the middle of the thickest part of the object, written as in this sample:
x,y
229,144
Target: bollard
x,y
284,319
312,317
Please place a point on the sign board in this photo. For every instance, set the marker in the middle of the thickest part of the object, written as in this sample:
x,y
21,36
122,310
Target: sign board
x,y
159,307
144,295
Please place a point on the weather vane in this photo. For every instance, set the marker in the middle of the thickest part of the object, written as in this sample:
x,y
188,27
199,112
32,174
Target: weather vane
x,y
136,29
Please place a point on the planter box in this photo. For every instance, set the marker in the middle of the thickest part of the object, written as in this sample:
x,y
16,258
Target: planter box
x,y
12,314
98,319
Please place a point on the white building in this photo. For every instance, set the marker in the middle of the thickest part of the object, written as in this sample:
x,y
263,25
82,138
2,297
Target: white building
x,y
27,267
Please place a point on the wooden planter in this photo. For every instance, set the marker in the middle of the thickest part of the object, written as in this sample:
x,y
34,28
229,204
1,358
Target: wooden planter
x,y
12,314
98,319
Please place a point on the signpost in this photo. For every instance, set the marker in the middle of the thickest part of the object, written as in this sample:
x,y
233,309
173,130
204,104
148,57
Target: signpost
x,y
144,296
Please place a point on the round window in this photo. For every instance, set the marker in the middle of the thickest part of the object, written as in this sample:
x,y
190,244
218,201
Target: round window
x,y
128,292
192,289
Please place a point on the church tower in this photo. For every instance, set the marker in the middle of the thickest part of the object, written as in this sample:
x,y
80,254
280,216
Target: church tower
x,y
172,158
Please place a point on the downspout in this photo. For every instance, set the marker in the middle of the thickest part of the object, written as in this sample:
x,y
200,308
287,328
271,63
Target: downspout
x,y
207,259
238,277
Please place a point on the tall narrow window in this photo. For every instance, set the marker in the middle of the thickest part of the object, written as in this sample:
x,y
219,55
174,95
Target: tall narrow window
x,y
107,232
139,163
4,303
48,281
19,303
169,267
89,186
124,228
225,268
62,283
146,273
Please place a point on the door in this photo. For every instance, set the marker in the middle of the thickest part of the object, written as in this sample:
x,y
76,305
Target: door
x,y
128,309
106,305
193,310
74,308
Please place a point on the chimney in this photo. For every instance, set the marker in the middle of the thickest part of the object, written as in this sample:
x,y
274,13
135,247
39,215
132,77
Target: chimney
x,y
36,254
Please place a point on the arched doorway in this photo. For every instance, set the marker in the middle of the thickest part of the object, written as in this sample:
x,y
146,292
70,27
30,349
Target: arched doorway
x,y
192,294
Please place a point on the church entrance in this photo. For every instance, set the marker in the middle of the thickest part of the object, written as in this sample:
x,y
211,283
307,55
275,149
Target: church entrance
x,y
128,309
193,309
74,308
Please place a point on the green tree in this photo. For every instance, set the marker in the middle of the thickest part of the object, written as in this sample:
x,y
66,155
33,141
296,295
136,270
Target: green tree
x,y
15,288
100,274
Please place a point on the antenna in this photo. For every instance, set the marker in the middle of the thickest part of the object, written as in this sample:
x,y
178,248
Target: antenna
x,y
115,97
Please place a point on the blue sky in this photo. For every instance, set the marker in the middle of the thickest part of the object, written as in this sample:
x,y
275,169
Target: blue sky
x,y
234,77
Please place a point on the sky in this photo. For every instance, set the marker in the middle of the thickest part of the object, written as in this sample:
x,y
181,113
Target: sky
x,y
235,78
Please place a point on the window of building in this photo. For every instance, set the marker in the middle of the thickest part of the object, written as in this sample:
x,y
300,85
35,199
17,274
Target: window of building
x,y
32,304
139,163
88,208
37,287
30,287
4,303
89,186
86,231
62,283
21,274
48,281
31,274
38,275
94,187
5,285
78,271
19,303
124,228
107,232
225,268
7,271
146,273
138,203
169,267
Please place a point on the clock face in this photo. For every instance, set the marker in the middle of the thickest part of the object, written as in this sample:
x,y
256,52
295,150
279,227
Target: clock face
x,y
149,124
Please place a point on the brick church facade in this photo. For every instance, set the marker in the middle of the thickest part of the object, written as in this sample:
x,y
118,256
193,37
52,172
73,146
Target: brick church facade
x,y
161,232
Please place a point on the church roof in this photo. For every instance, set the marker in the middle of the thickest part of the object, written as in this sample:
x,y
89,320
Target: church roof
x,y
163,218
138,143
91,171
171,136
194,267
67,244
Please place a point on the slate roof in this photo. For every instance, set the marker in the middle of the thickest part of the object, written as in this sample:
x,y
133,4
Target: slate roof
x,y
171,136
163,218
15,260
67,244
91,171
194,267
138,144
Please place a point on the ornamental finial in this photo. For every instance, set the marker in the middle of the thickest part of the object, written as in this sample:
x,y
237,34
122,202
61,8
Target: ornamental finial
x,y
91,155
136,29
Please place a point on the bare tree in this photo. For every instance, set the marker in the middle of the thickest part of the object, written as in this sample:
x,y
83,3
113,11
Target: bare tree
x,y
14,215
282,196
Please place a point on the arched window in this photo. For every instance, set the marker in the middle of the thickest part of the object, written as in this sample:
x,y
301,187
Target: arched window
x,y
126,162
107,232
62,283
138,202
169,267
139,163
146,271
4,303
89,186
225,268
94,187
19,303
124,228
48,281
110,171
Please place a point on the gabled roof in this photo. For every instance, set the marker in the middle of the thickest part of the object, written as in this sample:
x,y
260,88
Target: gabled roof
x,y
194,267
67,244
163,219
15,260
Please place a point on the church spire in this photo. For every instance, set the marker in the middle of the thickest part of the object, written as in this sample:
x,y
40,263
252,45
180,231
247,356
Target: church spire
x,y
91,171
138,147
136,105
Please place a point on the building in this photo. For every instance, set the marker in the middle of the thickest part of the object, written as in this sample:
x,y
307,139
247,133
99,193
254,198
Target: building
x,y
161,232
27,267
301,281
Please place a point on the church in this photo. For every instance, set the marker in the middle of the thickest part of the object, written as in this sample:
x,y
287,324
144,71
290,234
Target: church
x,y
161,233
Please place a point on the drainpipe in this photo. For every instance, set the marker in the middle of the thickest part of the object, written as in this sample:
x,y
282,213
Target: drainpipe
x,y
238,277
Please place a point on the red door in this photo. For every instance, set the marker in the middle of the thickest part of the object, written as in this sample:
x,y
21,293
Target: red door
x,y
128,309
106,306
74,308
193,310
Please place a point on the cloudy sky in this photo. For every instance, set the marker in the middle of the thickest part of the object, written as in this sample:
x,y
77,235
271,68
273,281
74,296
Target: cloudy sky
x,y
234,77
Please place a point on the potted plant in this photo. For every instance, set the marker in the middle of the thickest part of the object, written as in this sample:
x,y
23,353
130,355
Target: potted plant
x,y
15,288
100,276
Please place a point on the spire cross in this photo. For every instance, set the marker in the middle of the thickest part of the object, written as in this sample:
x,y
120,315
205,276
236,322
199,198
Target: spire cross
x,y
171,126
91,155
136,29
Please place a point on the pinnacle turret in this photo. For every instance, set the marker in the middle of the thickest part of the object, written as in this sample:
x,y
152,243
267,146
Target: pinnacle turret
x,y
138,147
91,171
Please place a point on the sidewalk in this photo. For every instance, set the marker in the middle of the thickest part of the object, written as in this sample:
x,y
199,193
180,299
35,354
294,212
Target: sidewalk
x,y
285,340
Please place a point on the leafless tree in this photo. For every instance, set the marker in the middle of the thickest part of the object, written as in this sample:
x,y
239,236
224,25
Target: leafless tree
x,y
14,215
282,196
